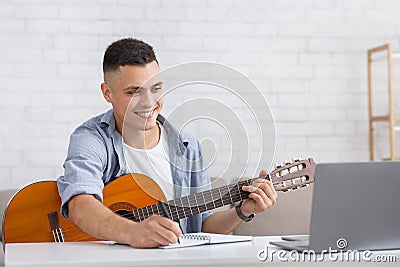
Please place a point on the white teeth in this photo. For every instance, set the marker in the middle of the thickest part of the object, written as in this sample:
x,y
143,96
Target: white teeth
x,y
145,114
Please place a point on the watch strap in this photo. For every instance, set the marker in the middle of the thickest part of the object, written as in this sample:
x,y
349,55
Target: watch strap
x,y
241,215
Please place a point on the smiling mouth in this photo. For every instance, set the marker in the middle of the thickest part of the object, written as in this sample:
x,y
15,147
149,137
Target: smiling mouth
x,y
145,115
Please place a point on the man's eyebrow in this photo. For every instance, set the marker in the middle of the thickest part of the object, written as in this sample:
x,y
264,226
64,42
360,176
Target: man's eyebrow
x,y
134,87
157,84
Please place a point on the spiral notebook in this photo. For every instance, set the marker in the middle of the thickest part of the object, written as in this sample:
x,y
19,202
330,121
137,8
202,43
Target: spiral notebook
x,y
198,239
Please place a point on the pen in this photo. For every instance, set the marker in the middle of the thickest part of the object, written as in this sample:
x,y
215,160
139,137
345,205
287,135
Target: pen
x,y
166,214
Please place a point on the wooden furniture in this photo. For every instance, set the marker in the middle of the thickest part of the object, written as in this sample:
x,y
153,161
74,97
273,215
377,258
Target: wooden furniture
x,y
389,117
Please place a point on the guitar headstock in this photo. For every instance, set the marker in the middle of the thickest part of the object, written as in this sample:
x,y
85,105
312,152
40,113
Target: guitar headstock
x,y
292,175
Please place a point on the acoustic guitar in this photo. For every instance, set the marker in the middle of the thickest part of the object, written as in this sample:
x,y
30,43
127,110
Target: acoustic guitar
x,y
33,213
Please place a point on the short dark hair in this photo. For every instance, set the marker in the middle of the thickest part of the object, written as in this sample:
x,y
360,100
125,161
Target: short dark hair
x,y
127,51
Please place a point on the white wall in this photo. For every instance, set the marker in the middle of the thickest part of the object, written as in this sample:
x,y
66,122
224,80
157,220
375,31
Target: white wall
x,y
307,56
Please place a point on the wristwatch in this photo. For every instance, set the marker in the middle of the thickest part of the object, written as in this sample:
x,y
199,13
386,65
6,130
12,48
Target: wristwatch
x,y
241,215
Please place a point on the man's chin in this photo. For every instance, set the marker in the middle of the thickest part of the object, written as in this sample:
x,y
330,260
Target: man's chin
x,y
148,125
143,127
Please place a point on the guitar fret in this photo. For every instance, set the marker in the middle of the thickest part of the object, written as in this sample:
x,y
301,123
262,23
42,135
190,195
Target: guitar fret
x,y
190,205
205,203
144,213
212,199
134,214
169,207
186,205
237,184
229,192
222,200
152,211
225,196
176,208
158,211
217,197
197,204
138,215
141,209
183,208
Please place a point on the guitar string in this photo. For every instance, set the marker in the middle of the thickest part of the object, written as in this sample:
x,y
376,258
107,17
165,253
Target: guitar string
x,y
180,210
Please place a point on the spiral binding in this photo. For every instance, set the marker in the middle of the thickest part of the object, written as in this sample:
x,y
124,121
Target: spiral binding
x,y
197,237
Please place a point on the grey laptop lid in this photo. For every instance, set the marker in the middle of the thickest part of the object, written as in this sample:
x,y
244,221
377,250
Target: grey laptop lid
x,y
358,204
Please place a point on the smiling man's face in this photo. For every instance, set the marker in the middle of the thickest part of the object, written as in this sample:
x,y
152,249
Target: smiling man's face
x,y
135,91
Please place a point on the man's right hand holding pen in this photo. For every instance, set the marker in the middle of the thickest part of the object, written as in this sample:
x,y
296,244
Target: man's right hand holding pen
x,y
166,214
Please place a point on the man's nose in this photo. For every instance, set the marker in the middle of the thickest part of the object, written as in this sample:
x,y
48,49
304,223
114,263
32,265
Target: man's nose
x,y
147,98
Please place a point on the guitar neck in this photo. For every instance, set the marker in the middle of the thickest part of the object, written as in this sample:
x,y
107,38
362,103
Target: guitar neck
x,y
187,206
285,177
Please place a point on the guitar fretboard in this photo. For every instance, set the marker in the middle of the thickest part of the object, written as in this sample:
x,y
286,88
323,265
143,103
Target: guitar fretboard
x,y
187,206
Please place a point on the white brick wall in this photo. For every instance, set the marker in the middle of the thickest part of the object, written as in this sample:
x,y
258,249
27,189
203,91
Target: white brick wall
x,y
308,57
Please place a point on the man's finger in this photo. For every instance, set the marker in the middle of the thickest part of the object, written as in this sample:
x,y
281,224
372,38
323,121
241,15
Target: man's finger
x,y
171,226
263,172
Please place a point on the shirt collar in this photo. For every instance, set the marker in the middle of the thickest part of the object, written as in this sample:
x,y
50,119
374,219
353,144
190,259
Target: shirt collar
x,y
108,121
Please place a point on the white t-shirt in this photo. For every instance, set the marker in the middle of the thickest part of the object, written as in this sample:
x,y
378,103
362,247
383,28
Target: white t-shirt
x,y
154,163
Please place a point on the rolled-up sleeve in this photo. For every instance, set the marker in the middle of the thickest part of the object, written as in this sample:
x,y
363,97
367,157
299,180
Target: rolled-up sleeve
x,y
83,168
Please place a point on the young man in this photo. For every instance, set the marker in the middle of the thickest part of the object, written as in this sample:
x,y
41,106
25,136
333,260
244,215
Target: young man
x,y
96,156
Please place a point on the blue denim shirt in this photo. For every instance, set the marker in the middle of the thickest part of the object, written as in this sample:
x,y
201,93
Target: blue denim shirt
x,y
95,158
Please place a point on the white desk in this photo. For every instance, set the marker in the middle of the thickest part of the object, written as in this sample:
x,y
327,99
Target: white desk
x,y
108,254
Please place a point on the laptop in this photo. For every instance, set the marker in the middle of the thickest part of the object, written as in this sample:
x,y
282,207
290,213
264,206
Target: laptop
x,y
356,206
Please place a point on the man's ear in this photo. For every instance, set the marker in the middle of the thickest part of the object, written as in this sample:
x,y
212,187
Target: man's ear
x,y
106,90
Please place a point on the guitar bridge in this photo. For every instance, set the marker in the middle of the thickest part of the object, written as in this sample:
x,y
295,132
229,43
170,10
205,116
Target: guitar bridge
x,y
55,226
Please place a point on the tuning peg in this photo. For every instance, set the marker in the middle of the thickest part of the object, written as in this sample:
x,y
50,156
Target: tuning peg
x,y
295,159
277,165
286,162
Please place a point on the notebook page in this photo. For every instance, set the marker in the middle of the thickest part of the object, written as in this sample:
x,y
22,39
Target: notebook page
x,y
197,239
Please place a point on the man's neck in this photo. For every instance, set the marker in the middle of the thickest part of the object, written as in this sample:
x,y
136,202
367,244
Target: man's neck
x,y
142,139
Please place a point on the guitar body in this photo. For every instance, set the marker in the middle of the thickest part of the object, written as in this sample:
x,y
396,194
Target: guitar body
x,y
26,218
